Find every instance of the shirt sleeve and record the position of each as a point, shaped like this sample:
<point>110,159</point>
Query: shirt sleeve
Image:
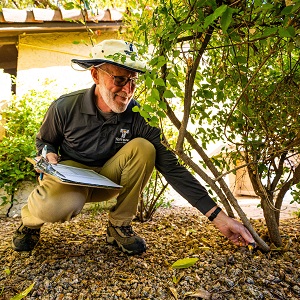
<point>50,132</point>
<point>176,175</point>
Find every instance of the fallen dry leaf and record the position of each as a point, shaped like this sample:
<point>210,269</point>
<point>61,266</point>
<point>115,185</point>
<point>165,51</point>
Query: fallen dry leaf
<point>173,292</point>
<point>199,293</point>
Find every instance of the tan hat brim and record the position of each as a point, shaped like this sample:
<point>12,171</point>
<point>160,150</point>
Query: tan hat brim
<point>89,63</point>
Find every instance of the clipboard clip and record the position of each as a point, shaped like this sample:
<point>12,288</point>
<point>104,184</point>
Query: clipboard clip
<point>44,166</point>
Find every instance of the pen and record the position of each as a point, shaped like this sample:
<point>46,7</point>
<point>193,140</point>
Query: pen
<point>44,154</point>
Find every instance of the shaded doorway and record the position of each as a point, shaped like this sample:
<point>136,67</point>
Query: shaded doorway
<point>8,61</point>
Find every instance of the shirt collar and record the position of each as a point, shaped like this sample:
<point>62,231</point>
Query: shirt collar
<point>88,105</point>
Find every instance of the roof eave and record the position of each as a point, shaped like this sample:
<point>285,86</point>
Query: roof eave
<point>47,27</point>
<point>14,22</point>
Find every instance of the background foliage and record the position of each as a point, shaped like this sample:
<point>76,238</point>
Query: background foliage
<point>23,118</point>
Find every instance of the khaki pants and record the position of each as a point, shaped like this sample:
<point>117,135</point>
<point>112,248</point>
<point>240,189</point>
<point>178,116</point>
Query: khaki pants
<point>130,167</point>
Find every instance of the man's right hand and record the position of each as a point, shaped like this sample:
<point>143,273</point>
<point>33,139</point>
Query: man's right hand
<point>52,158</point>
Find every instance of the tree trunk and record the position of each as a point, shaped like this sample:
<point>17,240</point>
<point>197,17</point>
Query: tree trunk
<point>269,210</point>
<point>271,222</point>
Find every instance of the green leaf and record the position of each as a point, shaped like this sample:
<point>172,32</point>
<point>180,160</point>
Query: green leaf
<point>267,6</point>
<point>161,61</point>
<point>287,10</point>
<point>217,13</point>
<point>152,99</point>
<point>23,294</point>
<point>148,108</point>
<point>241,59</point>
<point>69,5</point>
<point>220,95</point>
<point>208,94</point>
<point>174,82</point>
<point>208,20</point>
<point>296,6</point>
<point>161,114</point>
<point>144,114</point>
<point>176,53</point>
<point>263,7</point>
<point>172,36</point>
<point>269,31</point>
<point>184,263</point>
<point>154,119</point>
<point>221,84</point>
<point>159,82</point>
<point>155,94</point>
<point>168,94</point>
<point>286,32</point>
<point>148,82</point>
<point>186,26</point>
<point>162,105</point>
<point>136,109</point>
<point>7,271</point>
<point>226,19</point>
<point>290,47</point>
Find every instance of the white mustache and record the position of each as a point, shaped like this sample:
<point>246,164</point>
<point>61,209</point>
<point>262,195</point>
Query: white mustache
<point>122,94</point>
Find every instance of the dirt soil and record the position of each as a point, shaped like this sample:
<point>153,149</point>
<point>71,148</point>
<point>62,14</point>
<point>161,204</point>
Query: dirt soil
<point>73,261</point>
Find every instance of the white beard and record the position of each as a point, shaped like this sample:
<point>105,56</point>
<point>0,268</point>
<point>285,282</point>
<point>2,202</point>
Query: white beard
<point>109,98</point>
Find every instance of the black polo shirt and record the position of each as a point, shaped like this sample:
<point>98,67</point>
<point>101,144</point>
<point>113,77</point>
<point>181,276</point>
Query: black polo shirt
<point>74,129</point>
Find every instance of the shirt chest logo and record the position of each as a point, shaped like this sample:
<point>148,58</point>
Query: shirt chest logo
<point>122,139</point>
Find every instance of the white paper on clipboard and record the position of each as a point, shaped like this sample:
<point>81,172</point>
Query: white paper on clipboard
<point>74,175</point>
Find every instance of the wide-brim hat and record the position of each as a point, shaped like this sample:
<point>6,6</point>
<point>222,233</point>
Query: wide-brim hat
<point>116,52</point>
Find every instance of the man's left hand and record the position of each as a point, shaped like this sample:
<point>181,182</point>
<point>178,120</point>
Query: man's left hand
<point>234,230</point>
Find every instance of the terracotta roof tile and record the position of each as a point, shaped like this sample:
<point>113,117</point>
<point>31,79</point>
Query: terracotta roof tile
<point>41,14</point>
<point>16,15</point>
<point>71,14</point>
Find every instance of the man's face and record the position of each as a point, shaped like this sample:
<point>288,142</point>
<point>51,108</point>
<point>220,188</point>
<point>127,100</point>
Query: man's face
<point>113,94</point>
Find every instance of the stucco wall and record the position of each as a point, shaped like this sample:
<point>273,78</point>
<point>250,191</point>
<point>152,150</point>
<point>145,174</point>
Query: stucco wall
<point>45,61</point>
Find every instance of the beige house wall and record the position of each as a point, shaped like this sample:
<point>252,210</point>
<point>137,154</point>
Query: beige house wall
<point>44,61</point>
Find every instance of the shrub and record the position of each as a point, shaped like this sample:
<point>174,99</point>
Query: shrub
<point>152,197</point>
<point>22,121</point>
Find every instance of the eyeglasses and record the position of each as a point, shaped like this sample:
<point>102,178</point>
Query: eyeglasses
<point>121,80</point>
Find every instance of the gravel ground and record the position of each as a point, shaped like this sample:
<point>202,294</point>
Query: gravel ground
<point>73,261</point>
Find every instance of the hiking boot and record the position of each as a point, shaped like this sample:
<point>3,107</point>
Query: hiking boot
<point>126,239</point>
<point>25,238</point>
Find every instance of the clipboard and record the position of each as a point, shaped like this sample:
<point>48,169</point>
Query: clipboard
<point>73,175</point>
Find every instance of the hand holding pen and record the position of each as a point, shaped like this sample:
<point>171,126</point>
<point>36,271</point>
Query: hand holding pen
<point>45,164</point>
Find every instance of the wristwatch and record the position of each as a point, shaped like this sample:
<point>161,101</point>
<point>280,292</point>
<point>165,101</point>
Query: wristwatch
<point>214,214</point>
